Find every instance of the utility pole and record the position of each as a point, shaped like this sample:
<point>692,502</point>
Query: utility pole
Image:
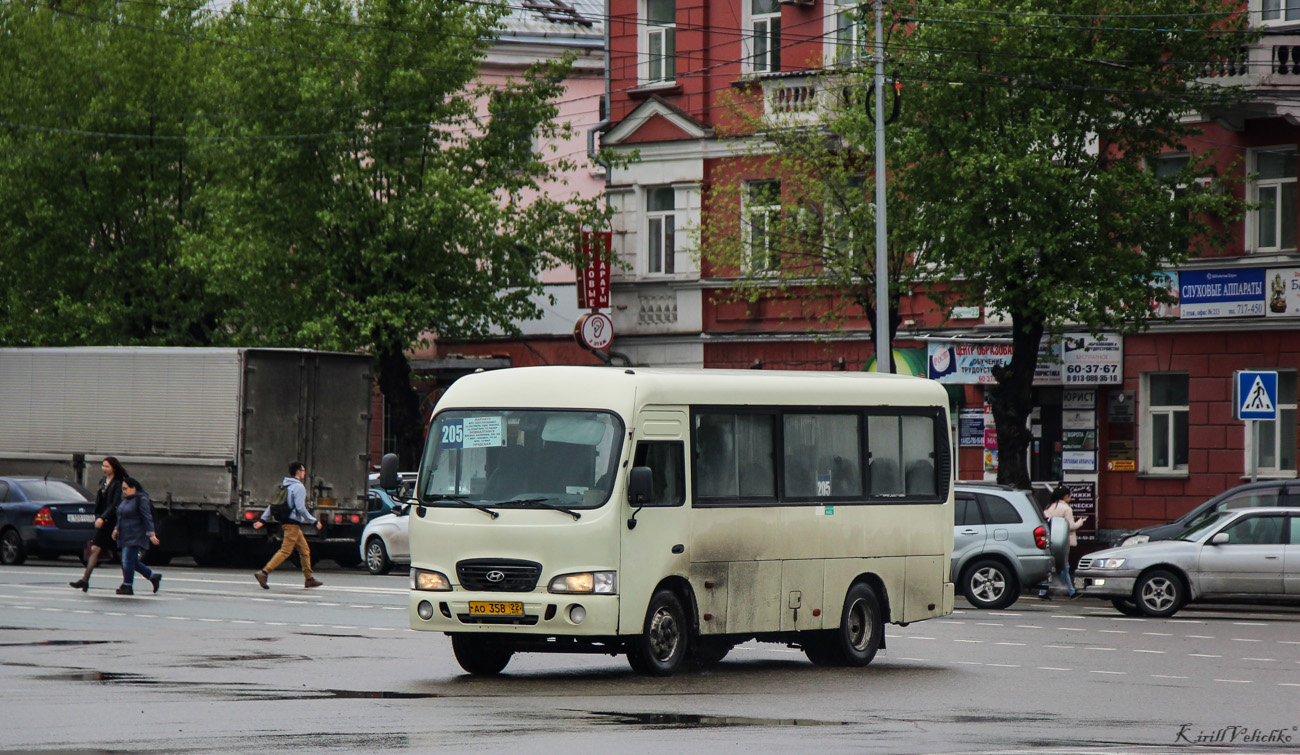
<point>884,354</point>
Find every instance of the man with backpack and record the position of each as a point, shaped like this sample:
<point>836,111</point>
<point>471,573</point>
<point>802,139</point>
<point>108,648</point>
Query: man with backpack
<point>289,508</point>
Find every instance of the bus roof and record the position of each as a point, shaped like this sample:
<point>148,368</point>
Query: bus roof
<point>615,387</point>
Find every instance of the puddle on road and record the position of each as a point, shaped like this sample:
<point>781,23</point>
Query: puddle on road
<point>691,720</point>
<point>239,689</point>
<point>55,643</point>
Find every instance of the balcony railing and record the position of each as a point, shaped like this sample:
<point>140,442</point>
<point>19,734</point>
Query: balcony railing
<point>801,99</point>
<point>1272,63</point>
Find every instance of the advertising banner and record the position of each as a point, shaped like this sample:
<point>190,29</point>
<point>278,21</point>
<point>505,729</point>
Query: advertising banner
<point>970,428</point>
<point>1090,360</point>
<point>1221,293</point>
<point>973,363</point>
<point>1284,292</point>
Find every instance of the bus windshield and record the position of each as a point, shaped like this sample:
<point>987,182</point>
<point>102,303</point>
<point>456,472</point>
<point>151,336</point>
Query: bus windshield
<point>521,458</point>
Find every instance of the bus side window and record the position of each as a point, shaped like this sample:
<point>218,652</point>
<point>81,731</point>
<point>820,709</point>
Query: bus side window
<point>667,463</point>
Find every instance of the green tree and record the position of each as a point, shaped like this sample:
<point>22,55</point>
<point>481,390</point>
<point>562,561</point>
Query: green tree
<point>359,201</point>
<point>97,180</point>
<point>1028,167</point>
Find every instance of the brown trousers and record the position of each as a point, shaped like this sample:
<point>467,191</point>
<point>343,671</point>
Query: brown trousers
<point>293,538</point>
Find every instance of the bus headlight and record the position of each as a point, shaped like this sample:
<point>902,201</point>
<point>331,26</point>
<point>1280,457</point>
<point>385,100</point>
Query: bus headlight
<point>598,582</point>
<point>423,579</point>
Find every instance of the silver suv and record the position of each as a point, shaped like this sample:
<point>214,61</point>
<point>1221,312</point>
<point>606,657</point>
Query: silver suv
<point>1001,543</point>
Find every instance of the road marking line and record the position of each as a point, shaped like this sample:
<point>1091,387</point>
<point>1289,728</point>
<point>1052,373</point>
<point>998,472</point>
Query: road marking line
<point>1243,639</point>
<point>1266,660</point>
<point>1005,665</point>
<point>1204,655</point>
<point>1161,652</point>
<point>216,621</point>
<point>1013,644</point>
<point>1199,637</point>
<point>1159,634</point>
<point>1027,626</point>
<point>923,660</point>
<point>1288,684</point>
<point>1060,647</point>
<point>179,618</point>
<point>1117,673</point>
<point>277,623</point>
<point>1234,681</point>
<point>1167,676</point>
<point>1289,642</point>
<point>987,624</point>
<point>113,613</point>
<point>146,615</point>
<point>968,663</point>
<point>242,621</point>
<point>382,629</point>
<point>973,642</point>
<point>333,605</point>
<point>1099,648</point>
<point>60,610</point>
<point>1072,629</point>
<point>1053,668</point>
<point>1114,631</point>
<point>915,637</point>
<point>1249,624</point>
<point>313,626</point>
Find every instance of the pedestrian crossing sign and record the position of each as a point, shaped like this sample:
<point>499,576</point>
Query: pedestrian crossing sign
<point>1255,395</point>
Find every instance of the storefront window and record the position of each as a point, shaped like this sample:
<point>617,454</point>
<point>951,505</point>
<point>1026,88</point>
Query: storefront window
<point>1165,422</point>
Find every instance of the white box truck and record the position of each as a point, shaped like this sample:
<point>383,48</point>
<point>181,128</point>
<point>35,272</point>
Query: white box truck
<point>209,432</point>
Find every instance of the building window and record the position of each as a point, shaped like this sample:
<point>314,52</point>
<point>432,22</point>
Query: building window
<point>846,33</point>
<point>662,230</point>
<point>762,215</point>
<point>661,40</point>
<point>1165,422</point>
<point>765,21</point>
<point>1275,191</point>
<point>1277,438</point>
<point>1279,11</point>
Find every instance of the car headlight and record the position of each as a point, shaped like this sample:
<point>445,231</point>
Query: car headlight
<point>598,582</point>
<point>423,579</point>
<point>1136,540</point>
<point>1108,563</point>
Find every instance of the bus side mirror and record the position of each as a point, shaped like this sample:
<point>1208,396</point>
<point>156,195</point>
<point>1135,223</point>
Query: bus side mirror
<point>388,472</point>
<point>640,486</point>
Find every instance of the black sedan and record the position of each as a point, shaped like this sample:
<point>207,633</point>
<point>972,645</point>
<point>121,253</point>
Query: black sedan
<point>43,516</point>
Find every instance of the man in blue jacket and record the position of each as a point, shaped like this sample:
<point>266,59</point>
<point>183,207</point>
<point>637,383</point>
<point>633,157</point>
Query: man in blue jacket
<point>293,537</point>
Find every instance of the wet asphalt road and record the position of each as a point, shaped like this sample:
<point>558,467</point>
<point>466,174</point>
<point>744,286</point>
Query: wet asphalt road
<point>215,664</point>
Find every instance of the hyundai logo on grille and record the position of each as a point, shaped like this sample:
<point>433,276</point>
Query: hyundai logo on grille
<point>496,575</point>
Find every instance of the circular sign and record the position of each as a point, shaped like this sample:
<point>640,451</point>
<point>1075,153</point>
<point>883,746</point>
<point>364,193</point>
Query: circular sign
<point>594,330</point>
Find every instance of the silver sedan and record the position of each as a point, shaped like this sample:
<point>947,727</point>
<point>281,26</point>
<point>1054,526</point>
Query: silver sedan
<point>1238,555</point>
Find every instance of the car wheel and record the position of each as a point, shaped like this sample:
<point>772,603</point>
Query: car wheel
<point>1126,606</point>
<point>989,584</point>
<point>377,561</point>
<point>1159,594</point>
<point>660,649</point>
<point>480,655</point>
<point>12,552</point>
<point>856,640</point>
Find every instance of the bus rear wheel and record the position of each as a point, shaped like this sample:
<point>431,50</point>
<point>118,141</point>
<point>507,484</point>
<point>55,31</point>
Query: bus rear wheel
<point>479,655</point>
<point>858,637</point>
<point>660,649</point>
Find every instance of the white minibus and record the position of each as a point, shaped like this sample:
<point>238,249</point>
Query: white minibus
<point>671,514</point>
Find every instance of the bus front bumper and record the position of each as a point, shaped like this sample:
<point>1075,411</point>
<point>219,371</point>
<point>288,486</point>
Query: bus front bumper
<point>533,613</point>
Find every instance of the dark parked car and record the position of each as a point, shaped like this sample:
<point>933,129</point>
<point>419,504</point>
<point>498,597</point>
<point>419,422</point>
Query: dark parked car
<point>41,516</point>
<point>1001,543</point>
<point>1250,495</point>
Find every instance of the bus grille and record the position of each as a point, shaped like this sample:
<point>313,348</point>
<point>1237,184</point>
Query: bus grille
<point>514,575</point>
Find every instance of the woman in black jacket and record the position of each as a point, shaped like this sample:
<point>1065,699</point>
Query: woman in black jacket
<point>106,501</point>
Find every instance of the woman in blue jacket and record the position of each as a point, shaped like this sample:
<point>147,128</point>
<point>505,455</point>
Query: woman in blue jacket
<point>133,534</point>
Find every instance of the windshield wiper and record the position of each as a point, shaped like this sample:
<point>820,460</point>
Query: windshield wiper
<point>544,501</point>
<point>461,500</point>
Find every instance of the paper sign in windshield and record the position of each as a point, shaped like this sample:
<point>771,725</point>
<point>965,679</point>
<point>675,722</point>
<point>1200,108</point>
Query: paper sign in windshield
<point>473,432</point>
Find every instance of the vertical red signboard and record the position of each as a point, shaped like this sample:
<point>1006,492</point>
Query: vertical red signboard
<point>593,281</point>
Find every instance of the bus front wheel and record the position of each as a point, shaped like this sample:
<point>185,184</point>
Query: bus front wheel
<point>661,647</point>
<point>858,637</point>
<point>479,655</point>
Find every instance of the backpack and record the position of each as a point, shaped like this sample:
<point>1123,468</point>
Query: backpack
<point>280,505</point>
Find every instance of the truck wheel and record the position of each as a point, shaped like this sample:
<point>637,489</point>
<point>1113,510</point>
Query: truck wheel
<point>377,561</point>
<point>154,557</point>
<point>660,649</point>
<point>989,584</point>
<point>347,559</point>
<point>1159,594</point>
<point>479,655</point>
<point>859,635</point>
<point>12,552</point>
